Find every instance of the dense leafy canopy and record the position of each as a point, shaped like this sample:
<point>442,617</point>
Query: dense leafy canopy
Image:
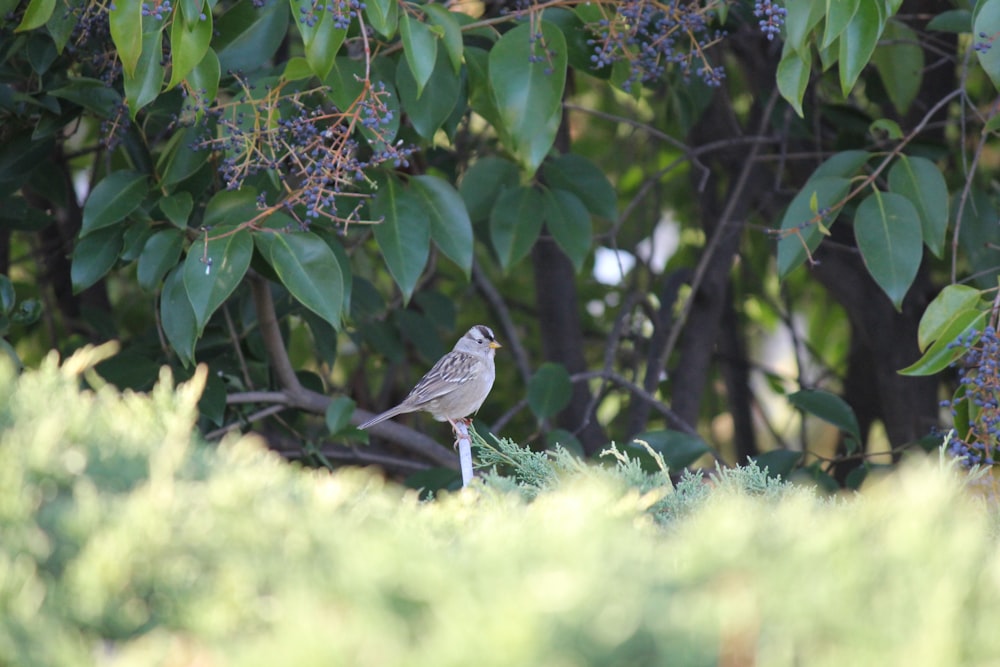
<point>305,194</point>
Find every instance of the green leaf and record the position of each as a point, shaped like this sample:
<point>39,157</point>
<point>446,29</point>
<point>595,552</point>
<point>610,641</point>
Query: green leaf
<point>189,42</point>
<point>230,207</point>
<point>978,235</point>
<point>515,222</point>
<point>320,36</point>
<point>802,17</point>
<point>568,220</point>
<point>112,199</point>
<point>383,16</point>
<point>838,16</point>
<point>214,269</point>
<point>899,61</point>
<point>844,164</point>
<point>310,271</point>
<point>679,450</point>
<point>419,49</point>
<point>428,112</point>
<point>177,208</point>
<point>483,183</point>
<point>94,255</point>
<point>179,159</point>
<point>943,352</point>
<point>987,22</point>
<point>177,316</point>
<point>828,407</point>
<point>450,226</point>
<point>919,180</point>
<point>887,229</point>
<point>549,390</point>
<point>578,175</point>
<point>125,20</point>
<point>36,15</point>
<point>204,81</point>
<point>248,36</point>
<point>792,247</point>
<point>452,38</point>
<point>143,88</point>
<point>887,125</point>
<point>403,235</point>
<point>480,90</point>
<point>950,302</point>
<point>91,94</point>
<point>338,414</point>
<point>858,41</point>
<point>779,463</point>
<point>793,76</point>
<point>160,254</point>
<point>527,77</point>
<point>953,20</point>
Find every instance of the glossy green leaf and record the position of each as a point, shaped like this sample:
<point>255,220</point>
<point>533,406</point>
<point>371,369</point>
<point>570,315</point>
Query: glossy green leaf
<point>35,16</point>
<point>826,191</point>
<point>919,180</point>
<point>448,22</point>
<point>230,207</point>
<point>213,270</point>
<point>793,76</point>
<point>177,316</point>
<point>578,175</point>
<point>483,183</point>
<point>858,41</point>
<point>679,450</point>
<point>160,254</point>
<point>987,22</point>
<point>568,221</point>
<point>112,199</point>
<point>403,233</point>
<point>899,61</point>
<point>450,226</point>
<point>527,76</point>
<point>515,223</point>
<point>134,240</point>
<point>338,414</point>
<point>248,36</point>
<point>204,81</point>
<point>481,100</point>
<point>177,207</point>
<point>943,352</point>
<point>144,87</point>
<point>429,111</point>
<point>828,407</point>
<point>125,20</point>
<point>800,20</point>
<point>886,128</point>
<point>189,42</point>
<point>180,159</point>
<point>383,16</point>
<point>838,16</point>
<point>887,229</point>
<point>320,36</point>
<point>419,48</point>
<point>953,20</point>
<point>549,390</point>
<point>94,255</point>
<point>92,94</point>
<point>780,463</point>
<point>310,271</point>
<point>844,164</point>
<point>950,302</point>
<point>978,235</point>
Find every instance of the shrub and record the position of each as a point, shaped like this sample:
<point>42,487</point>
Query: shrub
<point>126,541</point>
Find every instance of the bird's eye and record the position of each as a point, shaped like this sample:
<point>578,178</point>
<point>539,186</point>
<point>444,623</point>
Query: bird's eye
<point>479,340</point>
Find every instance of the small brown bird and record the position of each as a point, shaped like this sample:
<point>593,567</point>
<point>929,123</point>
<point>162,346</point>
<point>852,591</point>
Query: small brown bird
<point>458,383</point>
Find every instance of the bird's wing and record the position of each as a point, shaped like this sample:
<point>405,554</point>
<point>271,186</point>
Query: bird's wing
<point>451,371</point>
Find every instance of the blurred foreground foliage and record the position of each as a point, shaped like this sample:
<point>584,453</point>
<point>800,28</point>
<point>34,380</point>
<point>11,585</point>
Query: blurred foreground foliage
<point>126,541</point>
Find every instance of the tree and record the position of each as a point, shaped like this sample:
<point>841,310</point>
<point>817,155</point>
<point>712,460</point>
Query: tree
<point>315,199</point>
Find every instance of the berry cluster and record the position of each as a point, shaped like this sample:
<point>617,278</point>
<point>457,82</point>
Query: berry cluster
<point>342,11</point>
<point>158,9</point>
<point>311,149</point>
<point>771,17</point>
<point>651,35</point>
<point>978,397</point>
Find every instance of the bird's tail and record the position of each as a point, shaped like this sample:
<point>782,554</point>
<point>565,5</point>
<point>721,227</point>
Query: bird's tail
<point>379,418</point>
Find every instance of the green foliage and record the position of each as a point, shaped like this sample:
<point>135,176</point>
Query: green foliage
<point>131,542</point>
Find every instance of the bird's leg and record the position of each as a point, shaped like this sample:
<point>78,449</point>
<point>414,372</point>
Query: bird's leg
<point>460,429</point>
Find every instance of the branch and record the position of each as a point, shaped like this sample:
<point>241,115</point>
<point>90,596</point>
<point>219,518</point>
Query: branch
<point>294,395</point>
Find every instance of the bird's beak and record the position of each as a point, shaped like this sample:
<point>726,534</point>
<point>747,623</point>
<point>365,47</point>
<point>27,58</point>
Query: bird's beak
<point>494,345</point>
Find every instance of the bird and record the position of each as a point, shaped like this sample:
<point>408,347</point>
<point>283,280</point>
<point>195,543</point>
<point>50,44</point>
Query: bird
<point>456,386</point>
